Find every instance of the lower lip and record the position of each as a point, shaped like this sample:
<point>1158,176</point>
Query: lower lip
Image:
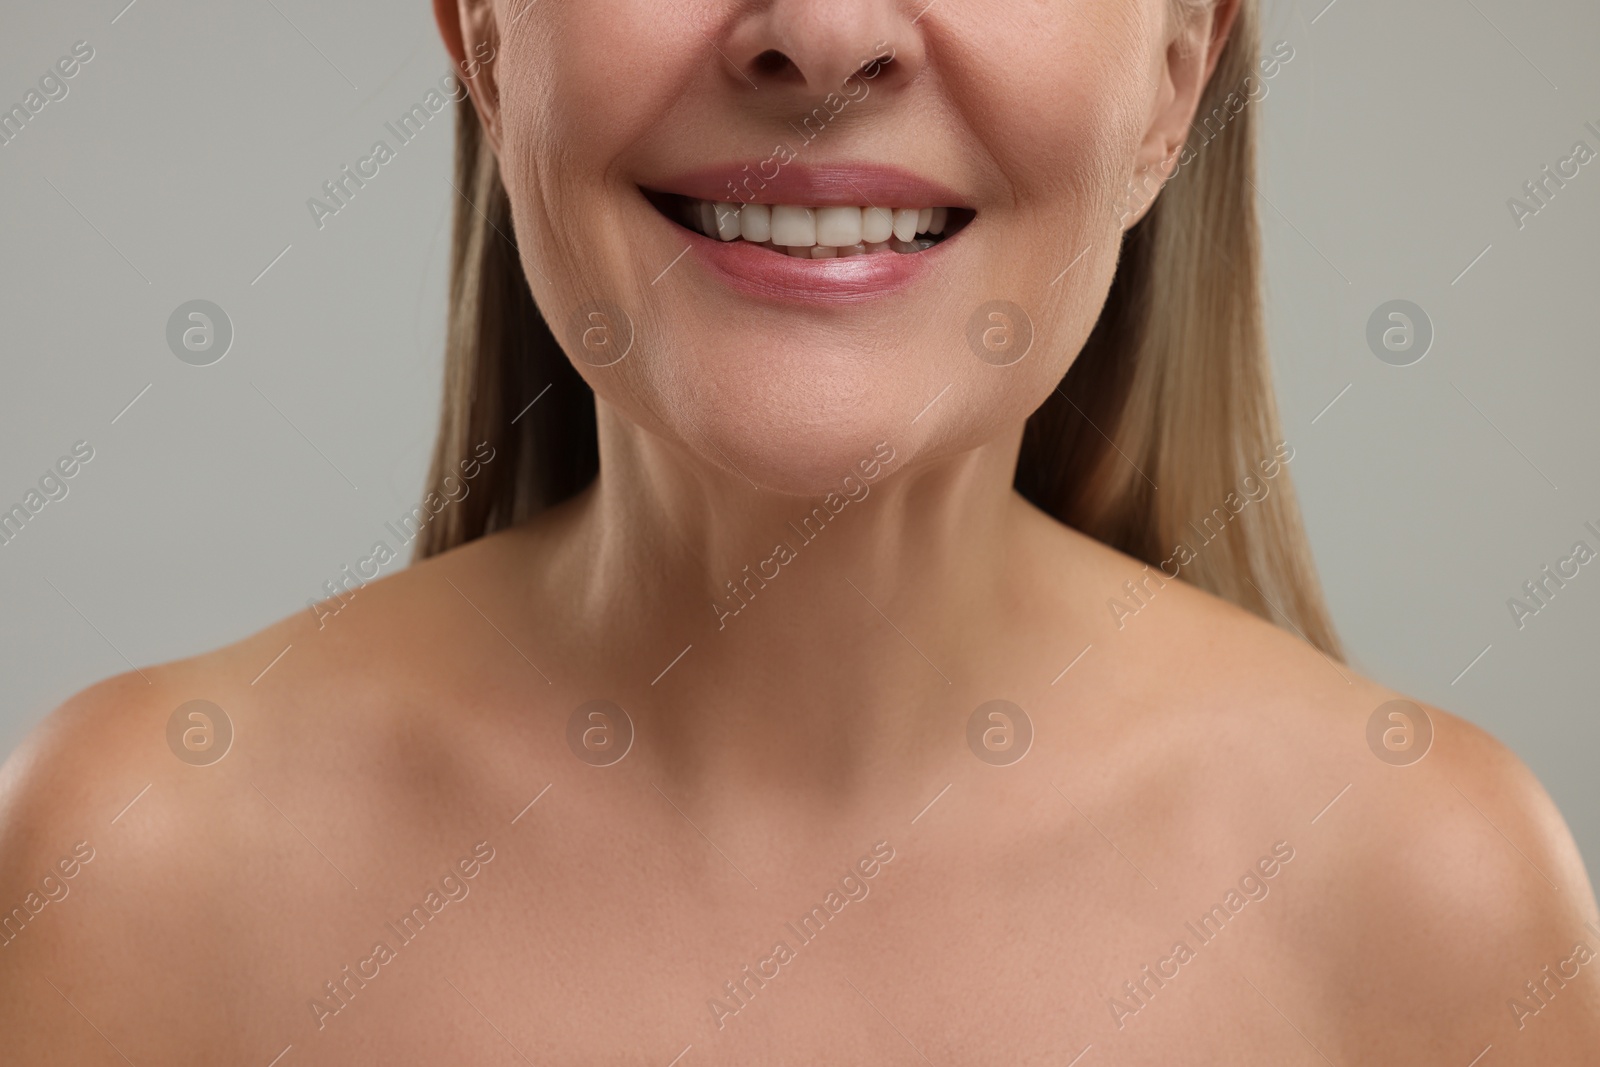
<point>775,276</point>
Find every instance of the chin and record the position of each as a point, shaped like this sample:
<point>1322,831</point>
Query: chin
<point>796,434</point>
<point>844,466</point>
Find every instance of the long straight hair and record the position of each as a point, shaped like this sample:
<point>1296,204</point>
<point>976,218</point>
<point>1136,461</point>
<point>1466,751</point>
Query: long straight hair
<point>1155,429</point>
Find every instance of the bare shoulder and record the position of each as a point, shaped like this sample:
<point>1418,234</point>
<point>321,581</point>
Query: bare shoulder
<point>102,844</point>
<point>81,770</point>
<point>158,827</point>
<point>1451,883</point>
<point>336,675</point>
<point>1436,904</point>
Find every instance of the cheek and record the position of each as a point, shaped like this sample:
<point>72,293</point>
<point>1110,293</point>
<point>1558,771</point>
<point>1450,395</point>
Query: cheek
<point>1063,119</point>
<point>1064,115</point>
<point>578,83</point>
<point>583,72</point>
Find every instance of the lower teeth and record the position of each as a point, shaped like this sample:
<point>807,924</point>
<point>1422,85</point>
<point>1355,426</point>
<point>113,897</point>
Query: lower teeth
<point>920,244</point>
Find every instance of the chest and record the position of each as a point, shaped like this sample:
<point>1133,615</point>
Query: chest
<point>565,949</point>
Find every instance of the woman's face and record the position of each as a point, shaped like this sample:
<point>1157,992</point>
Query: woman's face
<point>627,129</point>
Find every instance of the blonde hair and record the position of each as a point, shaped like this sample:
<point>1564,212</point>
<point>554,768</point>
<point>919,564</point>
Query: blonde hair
<point>1172,389</point>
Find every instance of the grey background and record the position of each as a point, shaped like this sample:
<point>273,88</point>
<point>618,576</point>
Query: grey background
<point>179,164</point>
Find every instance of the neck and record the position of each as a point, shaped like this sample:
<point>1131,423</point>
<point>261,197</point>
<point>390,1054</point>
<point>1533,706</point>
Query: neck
<point>815,626</point>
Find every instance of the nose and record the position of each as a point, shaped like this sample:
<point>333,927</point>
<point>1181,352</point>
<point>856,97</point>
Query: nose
<point>810,48</point>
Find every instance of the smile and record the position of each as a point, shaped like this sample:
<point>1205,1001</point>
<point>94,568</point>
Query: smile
<point>808,235</point>
<point>815,232</point>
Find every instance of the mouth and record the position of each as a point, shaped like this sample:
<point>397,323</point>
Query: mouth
<point>814,231</point>
<point>810,235</point>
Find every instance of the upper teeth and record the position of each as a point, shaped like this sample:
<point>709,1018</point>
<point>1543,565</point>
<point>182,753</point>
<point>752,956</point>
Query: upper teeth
<point>795,226</point>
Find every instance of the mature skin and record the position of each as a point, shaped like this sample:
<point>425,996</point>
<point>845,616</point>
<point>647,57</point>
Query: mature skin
<point>830,714</point>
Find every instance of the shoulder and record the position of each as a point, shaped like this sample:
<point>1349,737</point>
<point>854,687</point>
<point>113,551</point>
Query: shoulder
<point>156,828</point>
<point>1450,883</point>
<point>308,678</point>
<point>97,829</point>
<point>284,699</point>
<point>1434,881</point>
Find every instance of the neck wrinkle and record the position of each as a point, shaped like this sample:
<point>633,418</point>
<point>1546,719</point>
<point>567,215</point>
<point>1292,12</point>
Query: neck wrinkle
<point>827,652</point>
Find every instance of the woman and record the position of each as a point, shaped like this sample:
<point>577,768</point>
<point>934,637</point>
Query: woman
<point>908,654</point>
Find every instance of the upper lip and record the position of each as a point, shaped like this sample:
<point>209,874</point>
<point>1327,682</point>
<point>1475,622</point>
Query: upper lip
<point>811,185</point>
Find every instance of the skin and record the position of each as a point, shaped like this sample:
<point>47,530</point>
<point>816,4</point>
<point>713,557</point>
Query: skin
<point>772,756</point>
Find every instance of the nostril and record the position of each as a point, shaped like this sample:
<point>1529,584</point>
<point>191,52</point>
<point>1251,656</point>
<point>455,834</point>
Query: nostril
<point>771,62</point>
<point>876,66</point>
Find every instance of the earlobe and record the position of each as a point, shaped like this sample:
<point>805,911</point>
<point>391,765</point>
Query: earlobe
<point>1148,179</point>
